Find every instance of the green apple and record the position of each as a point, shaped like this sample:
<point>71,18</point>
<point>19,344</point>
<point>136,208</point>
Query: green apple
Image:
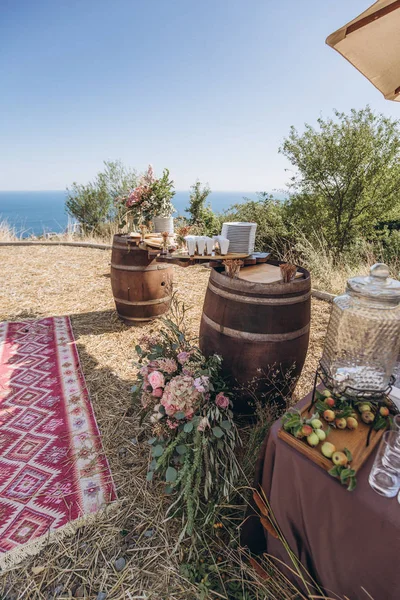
<point>352,423</point>
<point>341,423</point>
<point>306,430</point>
<point>313,439</point>
<point>328,449</point>
<point>339,458</point>
<point>321,434</point>
<point>329,415</point>
<point>367,416</point>
<point>316,424</point>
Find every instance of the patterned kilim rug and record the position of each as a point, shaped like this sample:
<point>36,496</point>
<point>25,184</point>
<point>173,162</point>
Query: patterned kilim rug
<point>54,476</point>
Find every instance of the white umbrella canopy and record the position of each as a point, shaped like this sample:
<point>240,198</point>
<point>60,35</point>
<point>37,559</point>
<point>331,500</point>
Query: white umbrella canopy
<point>371,42</point>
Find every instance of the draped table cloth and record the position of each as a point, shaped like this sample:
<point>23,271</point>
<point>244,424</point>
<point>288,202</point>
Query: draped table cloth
<point>346,540</point>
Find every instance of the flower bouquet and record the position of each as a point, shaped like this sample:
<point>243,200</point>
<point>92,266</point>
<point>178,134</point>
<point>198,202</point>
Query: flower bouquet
<point>193,434</point>
<point>152,198</point>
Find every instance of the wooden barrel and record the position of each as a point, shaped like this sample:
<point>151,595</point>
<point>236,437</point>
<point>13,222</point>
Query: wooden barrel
<point>142,288</point>
<point>261,331</point>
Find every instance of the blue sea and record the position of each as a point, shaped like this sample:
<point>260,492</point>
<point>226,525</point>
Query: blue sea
<point>36,213</point>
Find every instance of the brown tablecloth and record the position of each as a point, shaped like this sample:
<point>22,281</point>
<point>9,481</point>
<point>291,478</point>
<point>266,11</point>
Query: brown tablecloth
<point>346,540</point>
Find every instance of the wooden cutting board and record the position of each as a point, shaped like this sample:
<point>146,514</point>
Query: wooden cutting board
<point>354,440</point>
<point>263,273</point>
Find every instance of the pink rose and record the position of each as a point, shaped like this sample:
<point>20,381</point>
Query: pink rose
<point>156,380</point>
<point>158,392</point>
<point>221,400</point>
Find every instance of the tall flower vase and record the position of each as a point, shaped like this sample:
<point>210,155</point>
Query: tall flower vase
<point>162,224</point>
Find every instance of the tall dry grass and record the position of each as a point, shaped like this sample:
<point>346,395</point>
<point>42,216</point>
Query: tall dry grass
<point>330,272</point>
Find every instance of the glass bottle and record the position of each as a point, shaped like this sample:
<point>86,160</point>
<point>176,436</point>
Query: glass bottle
<point>363,337</point>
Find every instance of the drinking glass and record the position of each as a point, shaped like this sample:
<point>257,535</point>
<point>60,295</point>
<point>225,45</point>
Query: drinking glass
<point>385,473</point>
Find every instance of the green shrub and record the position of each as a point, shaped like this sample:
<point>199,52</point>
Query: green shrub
<point>347,175</point>
<point>203,220</point>
<point>273,228</point>
<point>93,204</point>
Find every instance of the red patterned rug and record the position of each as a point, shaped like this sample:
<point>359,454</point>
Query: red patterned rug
<point>54,476</point>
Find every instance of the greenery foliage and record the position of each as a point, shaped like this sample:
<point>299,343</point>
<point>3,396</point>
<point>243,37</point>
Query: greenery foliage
<point>273,227</point>
<point>202,219</point>
<point>93,204</point>
<point>347,175</point>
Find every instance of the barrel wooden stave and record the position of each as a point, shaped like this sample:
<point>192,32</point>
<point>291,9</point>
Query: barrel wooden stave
<point>255,326</point>
<point>142,288</point>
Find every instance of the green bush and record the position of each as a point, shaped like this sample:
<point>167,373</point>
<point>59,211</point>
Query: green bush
<point>273,228</point>
<point>93,205</point>
<point>203,220</point>
<point>347,175</point>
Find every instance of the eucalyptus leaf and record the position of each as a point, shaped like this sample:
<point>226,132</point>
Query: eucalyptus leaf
<point>157,450</point>
<point>151,440</point>
<point>218,432</point>
<point>171,474</point>
<point>179,415</point>
<point>149,476</point>
<point>138,350</point>
<point>181,449</point>
<point>188,427</point>
<point>226,425</point>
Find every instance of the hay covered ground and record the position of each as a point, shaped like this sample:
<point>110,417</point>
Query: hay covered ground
<point>47,281</point>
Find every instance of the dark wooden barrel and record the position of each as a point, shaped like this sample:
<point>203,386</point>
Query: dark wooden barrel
<point>261,331</point>
<point>142,288</point>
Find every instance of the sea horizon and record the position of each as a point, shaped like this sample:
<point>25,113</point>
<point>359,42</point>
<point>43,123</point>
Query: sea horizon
<point>37,212</point>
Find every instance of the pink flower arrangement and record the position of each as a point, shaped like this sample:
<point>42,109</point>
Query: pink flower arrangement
<point>222,401</point>
<point>180,395</point>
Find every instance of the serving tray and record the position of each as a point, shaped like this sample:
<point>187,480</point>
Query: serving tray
<point>354,440</point>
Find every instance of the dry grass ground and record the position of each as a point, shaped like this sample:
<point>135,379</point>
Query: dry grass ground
<point>38,282</point>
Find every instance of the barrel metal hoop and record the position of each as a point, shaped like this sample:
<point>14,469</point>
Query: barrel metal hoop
<point>255,337</point>
<point>158,267</point>
<point>144,302</point>
<point>258,299</point>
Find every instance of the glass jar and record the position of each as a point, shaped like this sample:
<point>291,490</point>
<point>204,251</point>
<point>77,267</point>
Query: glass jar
<point>363,337</point>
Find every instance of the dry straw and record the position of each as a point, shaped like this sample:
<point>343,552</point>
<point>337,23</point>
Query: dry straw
<point>40,282</point>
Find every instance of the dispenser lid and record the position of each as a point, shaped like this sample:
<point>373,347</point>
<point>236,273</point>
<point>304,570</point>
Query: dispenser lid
<point>377,284</point>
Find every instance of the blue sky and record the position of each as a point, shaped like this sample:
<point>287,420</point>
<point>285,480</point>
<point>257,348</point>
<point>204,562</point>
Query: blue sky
<point>207,88</point>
